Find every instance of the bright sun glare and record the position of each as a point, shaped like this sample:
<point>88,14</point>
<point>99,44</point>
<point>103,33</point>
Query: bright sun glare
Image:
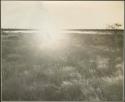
<point>48,35</point>
<point>48,38</point>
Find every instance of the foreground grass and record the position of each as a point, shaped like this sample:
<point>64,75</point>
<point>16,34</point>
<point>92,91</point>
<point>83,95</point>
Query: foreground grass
<point>87,67</point>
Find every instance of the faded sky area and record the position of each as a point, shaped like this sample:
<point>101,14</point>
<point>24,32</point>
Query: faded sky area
<point>61,14</point>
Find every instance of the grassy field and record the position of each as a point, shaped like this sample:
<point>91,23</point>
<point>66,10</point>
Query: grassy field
<point>83,67</point>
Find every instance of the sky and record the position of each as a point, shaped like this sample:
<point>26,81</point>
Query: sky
<point>61,14</point>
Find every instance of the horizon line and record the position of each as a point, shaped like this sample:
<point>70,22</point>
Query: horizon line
<point>33,29</point>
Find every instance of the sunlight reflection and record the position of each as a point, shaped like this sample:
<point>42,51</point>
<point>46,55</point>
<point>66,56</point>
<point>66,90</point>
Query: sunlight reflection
<point>49,39</point>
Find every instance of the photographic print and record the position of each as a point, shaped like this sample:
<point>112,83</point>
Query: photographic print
<point>62,50</point>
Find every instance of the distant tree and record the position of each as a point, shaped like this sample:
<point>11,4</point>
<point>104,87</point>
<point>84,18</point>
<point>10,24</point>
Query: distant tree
<point>114,26</point>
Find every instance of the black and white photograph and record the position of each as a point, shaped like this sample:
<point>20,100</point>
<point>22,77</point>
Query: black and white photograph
<point>62,51</point>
